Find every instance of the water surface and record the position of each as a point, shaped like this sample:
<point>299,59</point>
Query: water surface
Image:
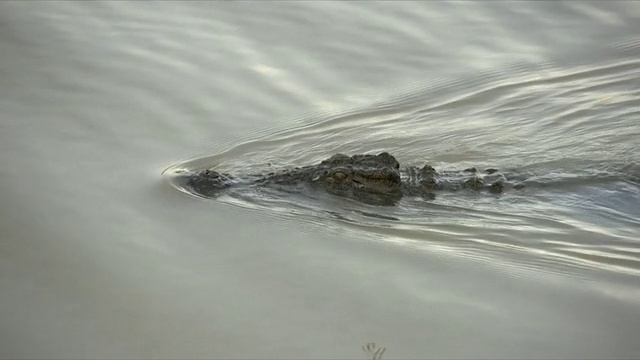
<point>103,258</point>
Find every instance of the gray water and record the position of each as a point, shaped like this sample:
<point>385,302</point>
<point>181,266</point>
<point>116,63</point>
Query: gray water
<point>101,257</point>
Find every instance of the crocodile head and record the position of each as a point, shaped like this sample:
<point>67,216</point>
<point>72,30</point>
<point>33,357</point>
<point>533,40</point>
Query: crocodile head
<point>373,179</point>
<point>368,178</point>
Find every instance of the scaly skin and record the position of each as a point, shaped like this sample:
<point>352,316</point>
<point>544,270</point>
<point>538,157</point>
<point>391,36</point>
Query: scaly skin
<point>368,178</point>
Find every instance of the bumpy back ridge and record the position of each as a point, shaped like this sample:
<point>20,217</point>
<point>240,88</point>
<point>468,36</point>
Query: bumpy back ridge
<point>364,161</point>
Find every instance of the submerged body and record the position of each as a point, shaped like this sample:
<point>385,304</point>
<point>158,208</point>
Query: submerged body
<point>374,179</point>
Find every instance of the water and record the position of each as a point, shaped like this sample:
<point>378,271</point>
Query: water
<point>102,257</point>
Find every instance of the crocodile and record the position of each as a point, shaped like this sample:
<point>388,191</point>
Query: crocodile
<point>369,178</point>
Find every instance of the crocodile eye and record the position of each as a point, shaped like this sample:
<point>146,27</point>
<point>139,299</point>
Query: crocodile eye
<point>339,175</point>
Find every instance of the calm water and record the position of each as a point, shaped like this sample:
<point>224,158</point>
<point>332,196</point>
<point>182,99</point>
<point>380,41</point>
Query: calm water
<point>101,257</point>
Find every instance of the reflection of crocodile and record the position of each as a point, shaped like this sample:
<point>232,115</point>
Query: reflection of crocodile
<point>367,178</point>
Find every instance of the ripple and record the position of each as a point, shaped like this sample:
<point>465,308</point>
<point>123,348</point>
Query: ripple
<point>542,123</point>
